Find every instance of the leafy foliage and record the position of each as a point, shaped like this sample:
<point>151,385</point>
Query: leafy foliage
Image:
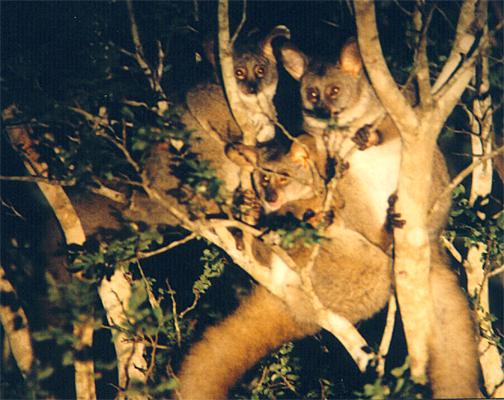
<point>397,385</point>
<point>97,259</point>
<point>213,267</point>
<point>480,223</point>
<point>278,377</point>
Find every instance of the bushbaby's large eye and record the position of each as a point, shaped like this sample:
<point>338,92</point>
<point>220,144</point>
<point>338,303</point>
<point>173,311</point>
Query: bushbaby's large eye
<point>312,94</point>
<point>265,180</point>
<point>259,71</point>
<point>333,91</point>
<point>282,180</point>
<point>240,73</point>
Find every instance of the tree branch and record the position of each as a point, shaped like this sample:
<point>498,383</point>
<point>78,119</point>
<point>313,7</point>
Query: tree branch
<point>15,326</point>
<point>463,42</point>
<point>421,61</point>
<point>240,26</point>
<point>74,233</point>
<point>70,223</point>
<point>115,294</point>
<point>230,86</point>
<point>463,174</point>
<point>447,97</point>
<point>477,272</point>
<point>387,335</point>
<point>389,94</point>
<point>411,244</point>
<point>153,76</point>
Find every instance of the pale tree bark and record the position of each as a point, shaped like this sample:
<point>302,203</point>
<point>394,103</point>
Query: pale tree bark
<point>15,325</point>
<point>73,232</point>
<point>238,109</point>
<point>108,290</point>
<point>131,364</point>
<point>419,129</point>
<point>412,251</point>
<point>477,272</point>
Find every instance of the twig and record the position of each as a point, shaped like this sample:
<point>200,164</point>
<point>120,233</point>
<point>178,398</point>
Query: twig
<point>196,10</point>
<point>73,232</point>
<point>109,193</point>
<point>38,178</point>
<point>496,272</point>
<point>240,26</point>
<point>451,248</point>
<point>147,254</point>
<point>192,306</point>
<point>461,44</point>
<point>461,176</point>
<point>421,60</point>
<point>171,292</point>
<point>154,80</point>
<point>390,96</point>
<point>408,13</point>
<point>15,212</point>
<point>387,335</point>
<point>15,326</point>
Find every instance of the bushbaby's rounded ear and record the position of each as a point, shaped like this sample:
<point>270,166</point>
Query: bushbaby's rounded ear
<point>350,59</point>
<point>294,60</point>
<point>243,156</point>
<point>298,153</point>
<point>266,45</point>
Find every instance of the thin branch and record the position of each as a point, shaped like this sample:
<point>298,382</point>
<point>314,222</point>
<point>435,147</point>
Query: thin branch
<point>38,178</point>
<point>387,335</point>
<point>231,87</point>
<point>462,44</point>
<point>451,248</point>
<point>147,254</point>
<point>152,77</point>
<point>496,272</point>
<point>192,306</point>
<point>109,193</point>
<point>421,61</point>
<point>240,26</point>
<point>448,97</point>
<point>463,174</point>
<point>115,294</point>
<point>73,232</point>
<point>196,10</point>
<point>15,326</point>
<point>389,94</point>
<point>408,13</point>
<point>175,314</point>
<point>13,210</point>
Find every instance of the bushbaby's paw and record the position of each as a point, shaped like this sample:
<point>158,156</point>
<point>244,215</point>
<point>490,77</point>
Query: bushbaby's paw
<point>366,137</point>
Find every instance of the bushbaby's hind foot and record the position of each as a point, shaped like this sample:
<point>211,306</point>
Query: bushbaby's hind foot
<point>238,238</point>
<point>393,218</point>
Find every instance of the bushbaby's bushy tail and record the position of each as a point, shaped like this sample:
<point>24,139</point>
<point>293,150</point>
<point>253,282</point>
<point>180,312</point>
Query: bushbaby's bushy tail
<point>229,349</point>
<point>453,370</point>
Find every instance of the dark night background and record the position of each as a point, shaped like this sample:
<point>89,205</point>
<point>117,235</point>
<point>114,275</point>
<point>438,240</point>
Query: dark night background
<point>56,53</point>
